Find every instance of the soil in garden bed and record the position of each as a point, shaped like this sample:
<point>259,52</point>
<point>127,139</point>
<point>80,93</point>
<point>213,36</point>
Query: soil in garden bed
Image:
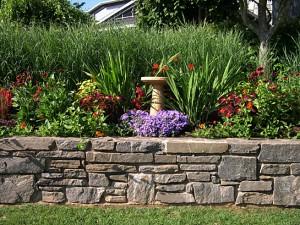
<point>7,122</point>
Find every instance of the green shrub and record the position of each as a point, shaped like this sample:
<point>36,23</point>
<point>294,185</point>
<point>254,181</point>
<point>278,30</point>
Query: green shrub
<point>267,106</point>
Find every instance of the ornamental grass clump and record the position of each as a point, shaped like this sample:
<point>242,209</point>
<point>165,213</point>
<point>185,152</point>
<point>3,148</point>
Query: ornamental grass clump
<point>167,123</point>
<point>195,89</point>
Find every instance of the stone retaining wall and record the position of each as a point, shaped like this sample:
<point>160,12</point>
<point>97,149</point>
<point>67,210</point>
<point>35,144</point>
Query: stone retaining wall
<point>149,171</point>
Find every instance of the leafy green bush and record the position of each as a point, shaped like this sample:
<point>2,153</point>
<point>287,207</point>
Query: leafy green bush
<point>266,106</point>
<point>38,97</point>
<point>41,12</point>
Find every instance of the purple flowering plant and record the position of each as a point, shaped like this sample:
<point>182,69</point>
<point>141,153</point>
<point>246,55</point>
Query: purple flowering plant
<point>167,123</point>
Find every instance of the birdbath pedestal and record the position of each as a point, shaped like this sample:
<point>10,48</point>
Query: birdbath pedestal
<point>157,101</point>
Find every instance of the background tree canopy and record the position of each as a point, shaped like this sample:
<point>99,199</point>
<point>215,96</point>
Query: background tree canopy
<point>42,12</point>
<point>158,13</point>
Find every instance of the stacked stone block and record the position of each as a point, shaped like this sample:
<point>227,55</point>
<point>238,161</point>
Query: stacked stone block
<point>149,171</point>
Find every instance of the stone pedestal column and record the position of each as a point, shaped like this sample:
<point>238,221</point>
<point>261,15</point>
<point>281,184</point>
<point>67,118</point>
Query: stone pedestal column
<point>157,101</point>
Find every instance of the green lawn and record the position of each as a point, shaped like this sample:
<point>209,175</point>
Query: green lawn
<point>71,215</point>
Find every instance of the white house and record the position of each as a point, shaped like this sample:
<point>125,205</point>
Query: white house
<point>118,11</point>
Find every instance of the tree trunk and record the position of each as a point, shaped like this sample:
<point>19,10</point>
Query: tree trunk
<point>199,15</point>
<point>263,53</point>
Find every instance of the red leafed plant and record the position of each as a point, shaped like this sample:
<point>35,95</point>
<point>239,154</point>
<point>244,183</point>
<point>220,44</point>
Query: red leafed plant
<point>5,102</point>
<point>111,105</point>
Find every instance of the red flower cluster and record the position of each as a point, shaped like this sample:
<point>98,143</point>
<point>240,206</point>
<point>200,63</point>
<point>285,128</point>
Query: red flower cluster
<point>99,134</point>
<point>156,68</point>
<point>111,105</point>
<point>5,102</point>
<point>190,66</point>
<point>231,104</point>
<point>258,72</point>
<point>138,100</point>
<point>23,125</point>
<point>23,78</point>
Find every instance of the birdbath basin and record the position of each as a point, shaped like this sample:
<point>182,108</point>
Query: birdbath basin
<point>157,101</point>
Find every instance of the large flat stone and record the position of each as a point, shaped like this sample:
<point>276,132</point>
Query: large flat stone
<point>254,198</point>
<point>118,185</point>
<point>98,180</point>
<point>114,191</point>
<point>109,168</point>
<point>106,144</point>
<point>198,176</point>
<point>17,189</point>
<point>11,144</point>
<point>204,159</point>
<point>237,168</point>
<point>27,143</point>
<point>169,178</point>
<point>53,197</point>
<point>62,182</point>
<point>65,164</point>
<point>115,199</point>
<point>52,175</point>
<point>198,167</point>
<point>141,188</point>
<point>280,152</point>
<point>119,157</point>
<point>136,146</point>
<point>295,169</point>
<point>174,198</point>
<point>171,187</point>
<point>166,159</point>
<point>287,191</point>
<point>51,189</point>
<point>239,147</point>
<point>196,146</point>
<point>255,186</point>
<point>72,144</point>
<point>84,195</point>
<point>17,165</point>
<point>4,153</point>
<point>275,169</point>
<point>24,153</point>
<point>75,173</point>
<point>122,177</point>
<point>209,193</point>
<point>61,154</point>
<point>159,168</point>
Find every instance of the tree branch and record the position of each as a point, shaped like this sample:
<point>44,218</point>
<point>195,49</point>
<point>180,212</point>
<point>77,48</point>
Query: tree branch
<point>283,9</point>
<point>244,14</point>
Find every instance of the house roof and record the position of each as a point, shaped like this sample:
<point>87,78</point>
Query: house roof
<point>103,5</point>
<point>100,4</point>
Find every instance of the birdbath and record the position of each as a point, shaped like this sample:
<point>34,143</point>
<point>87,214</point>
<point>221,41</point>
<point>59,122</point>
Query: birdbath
<point>157,101</point>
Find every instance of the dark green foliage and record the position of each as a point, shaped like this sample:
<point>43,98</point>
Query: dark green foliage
<point>285,34</point>
<point>43,12</point>
<point>158,13</point>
